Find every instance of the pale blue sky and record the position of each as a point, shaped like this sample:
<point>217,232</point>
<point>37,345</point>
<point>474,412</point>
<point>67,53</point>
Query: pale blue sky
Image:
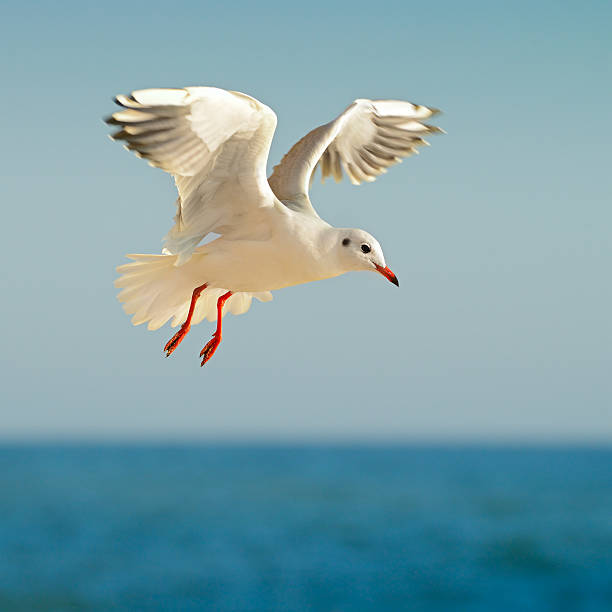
<point>499,233</point>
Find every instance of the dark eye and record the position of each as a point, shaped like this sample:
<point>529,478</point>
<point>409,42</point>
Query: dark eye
<point>365,248</point>
<point>346,242</point>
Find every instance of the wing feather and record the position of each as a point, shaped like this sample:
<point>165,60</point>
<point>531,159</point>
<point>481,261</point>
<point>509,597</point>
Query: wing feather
<point>365,140</point>
<point>215,144</point>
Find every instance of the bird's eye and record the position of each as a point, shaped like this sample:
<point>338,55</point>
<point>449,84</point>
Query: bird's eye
<point>346,242</point>
<point>365,248</point>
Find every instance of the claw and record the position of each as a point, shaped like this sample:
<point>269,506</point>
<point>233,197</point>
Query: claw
<point>209,350</point>
<point>175,340</point>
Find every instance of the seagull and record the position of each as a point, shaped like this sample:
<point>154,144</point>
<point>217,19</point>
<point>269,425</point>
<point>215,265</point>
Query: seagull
<point>263,233</point>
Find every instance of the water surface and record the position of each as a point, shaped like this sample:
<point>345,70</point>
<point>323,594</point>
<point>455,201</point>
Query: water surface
<point>305,528</point>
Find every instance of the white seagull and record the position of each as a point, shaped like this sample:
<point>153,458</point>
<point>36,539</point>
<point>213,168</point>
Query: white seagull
<point>215,144</point>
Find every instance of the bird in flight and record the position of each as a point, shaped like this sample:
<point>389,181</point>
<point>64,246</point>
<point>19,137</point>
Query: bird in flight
<point>215,144</point>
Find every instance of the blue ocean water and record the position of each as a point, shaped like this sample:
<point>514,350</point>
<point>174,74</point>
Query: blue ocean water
<point>305,528</point>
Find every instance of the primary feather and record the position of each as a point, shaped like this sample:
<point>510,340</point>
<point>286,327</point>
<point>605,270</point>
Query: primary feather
<point>214,143</point>
<point>367,138</point>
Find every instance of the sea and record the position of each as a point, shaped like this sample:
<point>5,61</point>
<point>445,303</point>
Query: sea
<point>305,527</point>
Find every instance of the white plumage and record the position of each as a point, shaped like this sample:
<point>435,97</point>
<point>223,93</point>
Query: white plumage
<point>215,144</point>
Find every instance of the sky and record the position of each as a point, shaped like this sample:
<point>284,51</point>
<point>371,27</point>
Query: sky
<point>499,232</point>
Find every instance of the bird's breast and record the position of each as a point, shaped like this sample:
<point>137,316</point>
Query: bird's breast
<point>284,260</point>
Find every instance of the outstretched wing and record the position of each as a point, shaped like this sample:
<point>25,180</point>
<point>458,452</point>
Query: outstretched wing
<point>215,143</point>
<point>367,138</point>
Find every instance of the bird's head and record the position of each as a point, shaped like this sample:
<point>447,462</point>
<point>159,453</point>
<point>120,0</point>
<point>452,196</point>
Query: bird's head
<point>358,250</point>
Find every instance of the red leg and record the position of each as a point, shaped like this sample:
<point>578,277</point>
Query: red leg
<point>182,332</point>
<point>210,348</point>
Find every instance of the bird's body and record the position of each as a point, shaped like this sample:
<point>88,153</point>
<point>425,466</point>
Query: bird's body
<point>215,143</point>
<point>298,250</point>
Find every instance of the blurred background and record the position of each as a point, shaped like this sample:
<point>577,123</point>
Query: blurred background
<point>351,446</point>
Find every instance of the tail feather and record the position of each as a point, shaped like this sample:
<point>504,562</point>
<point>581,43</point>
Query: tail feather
<point>155,289</point>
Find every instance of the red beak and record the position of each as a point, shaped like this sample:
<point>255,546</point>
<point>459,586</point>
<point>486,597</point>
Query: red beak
<point>386,272</point>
